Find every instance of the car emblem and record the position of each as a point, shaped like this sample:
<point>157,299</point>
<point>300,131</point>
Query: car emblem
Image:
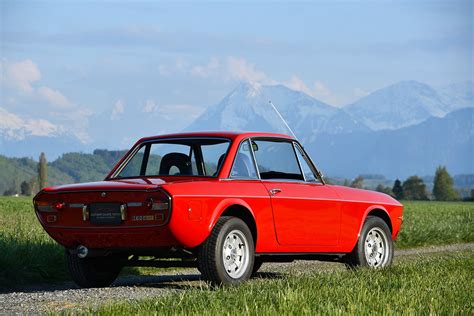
<point>103,194</point>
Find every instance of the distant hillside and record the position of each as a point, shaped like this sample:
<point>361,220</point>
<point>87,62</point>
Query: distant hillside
<point>69,168</point>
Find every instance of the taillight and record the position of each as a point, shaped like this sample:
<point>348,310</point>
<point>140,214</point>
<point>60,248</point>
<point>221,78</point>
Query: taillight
<point>157,205</point>
<point>160,203</point>
<point>59,205</point>
<point>47,206</point>
<point>44,206</point>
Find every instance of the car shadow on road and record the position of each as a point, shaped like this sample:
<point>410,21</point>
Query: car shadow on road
<point>181,281</point>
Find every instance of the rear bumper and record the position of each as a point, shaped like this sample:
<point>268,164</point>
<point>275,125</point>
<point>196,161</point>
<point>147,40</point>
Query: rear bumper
<point>116,238</point>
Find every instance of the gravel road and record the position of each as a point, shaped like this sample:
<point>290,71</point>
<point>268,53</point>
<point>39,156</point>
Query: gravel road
<point>44,298</point>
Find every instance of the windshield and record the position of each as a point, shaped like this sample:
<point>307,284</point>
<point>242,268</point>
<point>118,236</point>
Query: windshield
<point>179,157</point>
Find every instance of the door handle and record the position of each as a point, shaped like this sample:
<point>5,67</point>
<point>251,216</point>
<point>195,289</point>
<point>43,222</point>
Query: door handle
<point>274,191</point>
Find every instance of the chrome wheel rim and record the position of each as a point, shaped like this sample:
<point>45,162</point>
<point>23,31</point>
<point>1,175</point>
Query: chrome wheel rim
<point>235,254</point>
<point>376,248</point>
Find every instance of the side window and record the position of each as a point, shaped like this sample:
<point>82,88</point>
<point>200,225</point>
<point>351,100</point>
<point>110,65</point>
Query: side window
<point>276,160</point>
<point>244,166</point>
<point>213,156</point>
<point>308,173</point>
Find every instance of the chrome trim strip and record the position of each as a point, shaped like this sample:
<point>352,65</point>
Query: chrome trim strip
<point>134,204</point>
<point>76,205</point>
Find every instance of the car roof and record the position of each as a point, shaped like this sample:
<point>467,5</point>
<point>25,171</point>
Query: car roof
<point>226,134</point>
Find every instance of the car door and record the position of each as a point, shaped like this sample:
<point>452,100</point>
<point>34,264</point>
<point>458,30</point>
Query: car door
<point>305,211</point>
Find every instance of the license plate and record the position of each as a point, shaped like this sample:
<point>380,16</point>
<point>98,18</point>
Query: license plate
<point>105,213</point>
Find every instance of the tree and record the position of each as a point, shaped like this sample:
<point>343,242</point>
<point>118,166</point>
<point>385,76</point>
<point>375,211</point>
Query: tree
<point>42,172</point>
<point>443,189</point>
<point>398,190</point>
<point>25,188</point>
<point>346,183</point>
<point>383,189</point>
<point>10,192</point>
<point>414,189</point>
<point>358,183</point>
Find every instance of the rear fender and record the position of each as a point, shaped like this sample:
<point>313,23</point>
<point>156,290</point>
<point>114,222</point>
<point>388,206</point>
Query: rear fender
<point>223,206</point>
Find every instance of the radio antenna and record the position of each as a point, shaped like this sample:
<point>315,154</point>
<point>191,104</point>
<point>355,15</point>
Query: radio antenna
<point>281,117</point>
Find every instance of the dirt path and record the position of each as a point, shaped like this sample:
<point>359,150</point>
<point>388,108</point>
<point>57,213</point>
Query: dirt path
<point>44,298</point>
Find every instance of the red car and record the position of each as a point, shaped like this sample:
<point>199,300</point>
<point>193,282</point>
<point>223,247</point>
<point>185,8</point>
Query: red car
<point>222,202</point>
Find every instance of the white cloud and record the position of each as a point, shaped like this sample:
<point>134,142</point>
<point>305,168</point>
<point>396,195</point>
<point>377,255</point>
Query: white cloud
<point>118,110</point>
<point>54,97</point>
<point>320,90</point>
<point>205,71</point>
<point>176,111</point>
<point>20,74</point>
<point>241,69</point>
<point>297,84</point>
<point>231,68</point>
<point>15,127</point>
<point>150,106</point>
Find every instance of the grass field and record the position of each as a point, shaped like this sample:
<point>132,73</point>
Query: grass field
<point>432,285</point>
<point>29,255</point>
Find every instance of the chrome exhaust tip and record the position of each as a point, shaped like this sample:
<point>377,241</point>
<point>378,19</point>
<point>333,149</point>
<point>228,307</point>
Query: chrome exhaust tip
<point>82,251</point>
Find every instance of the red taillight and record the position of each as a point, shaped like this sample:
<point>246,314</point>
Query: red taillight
<point>59,205</point>
<point>47,206</point>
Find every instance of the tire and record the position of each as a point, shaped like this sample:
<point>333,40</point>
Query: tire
<point>227,255</point>
<point>257,264</point>
<point>92,272</point>
<point>374,249</point>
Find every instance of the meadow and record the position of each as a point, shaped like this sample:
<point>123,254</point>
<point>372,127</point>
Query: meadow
<point>438,284</point>
<point>29,255</point>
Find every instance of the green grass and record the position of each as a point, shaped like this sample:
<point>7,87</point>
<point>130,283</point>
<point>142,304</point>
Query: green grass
<point>436,223</point>
<point>417,286</point>
<point>28,255</point>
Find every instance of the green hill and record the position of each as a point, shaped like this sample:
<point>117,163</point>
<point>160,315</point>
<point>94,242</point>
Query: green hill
<point>69,168</point>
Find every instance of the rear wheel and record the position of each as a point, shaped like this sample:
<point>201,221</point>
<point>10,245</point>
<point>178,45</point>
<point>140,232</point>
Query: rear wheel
<point>227,255</point>
<point>374,249</point>
<point>92,272</point>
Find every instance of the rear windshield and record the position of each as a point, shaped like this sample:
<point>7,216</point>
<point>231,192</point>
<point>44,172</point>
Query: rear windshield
<point>179,157</point>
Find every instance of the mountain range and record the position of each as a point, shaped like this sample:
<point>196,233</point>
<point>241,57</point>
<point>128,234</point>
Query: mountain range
<point>403,129</point>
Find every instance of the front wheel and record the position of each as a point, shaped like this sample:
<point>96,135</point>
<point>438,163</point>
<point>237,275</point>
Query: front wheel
<point>227,255</point>
<point>92,272</point>
<point>374,249</point>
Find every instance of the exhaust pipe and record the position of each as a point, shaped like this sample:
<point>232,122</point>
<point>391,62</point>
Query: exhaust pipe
<point>82,251</point>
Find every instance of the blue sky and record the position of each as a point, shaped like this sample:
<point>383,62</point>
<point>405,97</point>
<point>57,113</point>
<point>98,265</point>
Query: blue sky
<point>64,61</point>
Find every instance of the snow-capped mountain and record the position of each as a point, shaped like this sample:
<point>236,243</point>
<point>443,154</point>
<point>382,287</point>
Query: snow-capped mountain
<point>458,95</point>
<point>399,105</point>
<point>416,149</point>
<point>247,108</point>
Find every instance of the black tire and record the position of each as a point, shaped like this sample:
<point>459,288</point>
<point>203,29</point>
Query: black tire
<point>382,240</point>
<point>257,264</point>
<point>94,271</point>
<point>210,256</point>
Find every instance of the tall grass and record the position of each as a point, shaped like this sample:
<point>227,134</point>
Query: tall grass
<point>432,285</point>
<point>28,254</point>
<point>436,223</point>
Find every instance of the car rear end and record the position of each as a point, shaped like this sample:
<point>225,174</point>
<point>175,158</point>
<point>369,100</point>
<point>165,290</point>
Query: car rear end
<point>105,218</point>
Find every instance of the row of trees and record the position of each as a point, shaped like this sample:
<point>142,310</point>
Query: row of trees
<point>29,188</point>
<point>414,188</point>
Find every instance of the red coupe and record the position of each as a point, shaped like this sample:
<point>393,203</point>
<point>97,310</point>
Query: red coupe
<point>222,202</point>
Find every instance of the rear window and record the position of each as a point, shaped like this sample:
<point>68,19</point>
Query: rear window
<point>181,157</point>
